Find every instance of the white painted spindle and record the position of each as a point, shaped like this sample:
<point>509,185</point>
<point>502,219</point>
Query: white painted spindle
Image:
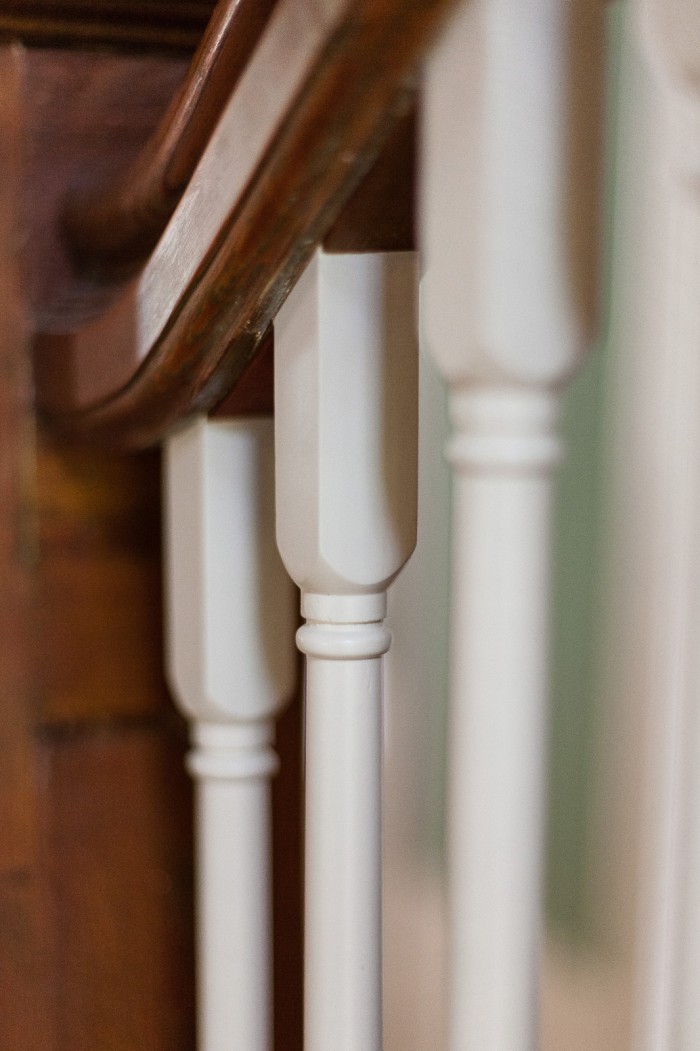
<point>230,651</point>
<point>501,319</point>
<point>668,35</point>
<point>345,413</point>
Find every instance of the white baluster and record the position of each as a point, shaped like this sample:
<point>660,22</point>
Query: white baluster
<point>345,407</point>
<point>668,34</point>
<point>501,319</point>
<point>231,663</point>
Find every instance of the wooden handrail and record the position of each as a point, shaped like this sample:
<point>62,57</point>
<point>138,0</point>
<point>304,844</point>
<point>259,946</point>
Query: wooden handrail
<point>112,230</point>
<point>316,104</point>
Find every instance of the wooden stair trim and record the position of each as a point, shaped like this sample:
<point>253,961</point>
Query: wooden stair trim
<point>189,327</point>
<point>111,231</point>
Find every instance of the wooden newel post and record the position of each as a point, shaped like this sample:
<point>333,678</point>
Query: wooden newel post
<point>231,664</point>
<point>500,318</point>
<point>346,449</point>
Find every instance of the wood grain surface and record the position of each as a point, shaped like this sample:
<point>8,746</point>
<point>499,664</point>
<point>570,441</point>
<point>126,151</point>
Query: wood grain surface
<point>360,84</point>
<point>118,848</point>
<point>87,117</point>
<point>111,230</point>
<point>24,994</point>
<point>99,584</point>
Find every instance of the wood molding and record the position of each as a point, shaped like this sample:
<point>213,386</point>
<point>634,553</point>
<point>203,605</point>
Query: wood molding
<point>111,229</point>
<point>87,118</point>
<point>357,80</point>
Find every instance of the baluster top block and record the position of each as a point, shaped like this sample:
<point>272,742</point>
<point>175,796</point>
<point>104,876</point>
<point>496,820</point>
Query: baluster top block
<point>346,392</point>
<point>230,651</point>
<point>509,229</point>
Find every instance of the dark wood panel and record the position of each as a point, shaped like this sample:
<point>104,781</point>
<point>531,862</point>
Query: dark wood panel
<point>380,214</point>
<point>99,584</point>
<point>120,883</point>
<point>287,806</point>
<point>25,1020</point>
<point>166,25</point>
<point>26,996</point>
<point>119,850</point>
<point>87,118</point>
<point>112,229</point>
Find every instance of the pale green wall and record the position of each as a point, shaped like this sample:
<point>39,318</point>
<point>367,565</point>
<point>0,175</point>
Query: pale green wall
<point>579,591</point>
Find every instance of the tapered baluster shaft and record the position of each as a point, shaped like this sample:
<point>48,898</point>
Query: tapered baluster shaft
<point>506,325</point>
<point>503,454</point>
<point>231,665</point>
<point>345,396</point>
<point>232,767</point>
<point>343,834</point>
<point>661,38</point>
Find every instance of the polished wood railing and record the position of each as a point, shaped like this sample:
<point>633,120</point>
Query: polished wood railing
<point>264,194</point>
<point>112,231</point>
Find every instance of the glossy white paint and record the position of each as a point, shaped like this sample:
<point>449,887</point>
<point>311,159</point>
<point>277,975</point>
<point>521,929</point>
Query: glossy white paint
<point>346,449</point>
<point>502,320</point>
<point>231,665</point>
